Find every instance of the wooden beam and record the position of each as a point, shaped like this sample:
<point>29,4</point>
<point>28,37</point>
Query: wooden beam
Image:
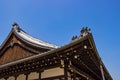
<point>102,72</point>
<point>78,71</point>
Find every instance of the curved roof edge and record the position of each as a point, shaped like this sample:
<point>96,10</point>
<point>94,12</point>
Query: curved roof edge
<point>31,40</point>
<point>28,39</point>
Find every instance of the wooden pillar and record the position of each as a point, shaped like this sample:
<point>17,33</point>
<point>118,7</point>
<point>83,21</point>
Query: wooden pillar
<point>6,78</point>
<point>26,76</point>
<point>39,77</point>
<point>65,70</point>
<point>16,77</point>
<point>40,72</point>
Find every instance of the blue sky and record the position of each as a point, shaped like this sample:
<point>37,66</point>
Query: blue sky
<point>56,21</point>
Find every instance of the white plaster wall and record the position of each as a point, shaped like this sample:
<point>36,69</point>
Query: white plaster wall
<point>33,75</point>
<point>21,77</point>
<point>2,79</point>
<point>52,72</point>
<point>11,78</point>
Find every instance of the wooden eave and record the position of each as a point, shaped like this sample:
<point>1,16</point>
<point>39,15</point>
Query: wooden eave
<point>14,39</point>
<point>98,57</point>
<point>46,53</point>
<point>5,41</point>
<point>36,43</point>
<point>7,44</point>
<point>32,44</point>
<point>63,48</point>
<point>15,31</point>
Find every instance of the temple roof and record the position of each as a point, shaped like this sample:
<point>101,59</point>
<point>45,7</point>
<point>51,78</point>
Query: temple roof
<point>25,45</point>
<point>29,39</point>
<point>73,42</point>
<point>89,58</point>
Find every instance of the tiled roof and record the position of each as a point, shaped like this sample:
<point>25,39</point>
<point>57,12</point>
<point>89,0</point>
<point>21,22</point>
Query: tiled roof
<point>29,39</point>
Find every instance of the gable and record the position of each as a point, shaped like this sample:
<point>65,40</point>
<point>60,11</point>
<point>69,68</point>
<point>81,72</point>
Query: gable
<point>13,53</point>
<point>13,49</point>
<point>19,45</point>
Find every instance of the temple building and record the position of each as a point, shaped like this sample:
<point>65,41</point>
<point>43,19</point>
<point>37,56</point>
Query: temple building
<point>23,57</point>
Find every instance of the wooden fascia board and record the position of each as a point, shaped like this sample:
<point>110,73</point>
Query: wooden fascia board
<point>5,41</point>
<point>92,42</point>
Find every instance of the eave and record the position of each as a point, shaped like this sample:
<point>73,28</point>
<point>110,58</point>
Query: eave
<point>65,49</point>
<point>24,37</point>
<point>69,45</point>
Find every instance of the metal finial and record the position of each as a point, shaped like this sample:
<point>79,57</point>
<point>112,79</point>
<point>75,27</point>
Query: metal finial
<point>16,26</point>
<point>85,31</point>
<point>74,37</point>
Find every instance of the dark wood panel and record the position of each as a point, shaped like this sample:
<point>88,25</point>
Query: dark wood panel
<point>14,53</point>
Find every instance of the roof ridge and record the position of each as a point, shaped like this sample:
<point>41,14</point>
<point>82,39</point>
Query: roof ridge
<point>22,34</point>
